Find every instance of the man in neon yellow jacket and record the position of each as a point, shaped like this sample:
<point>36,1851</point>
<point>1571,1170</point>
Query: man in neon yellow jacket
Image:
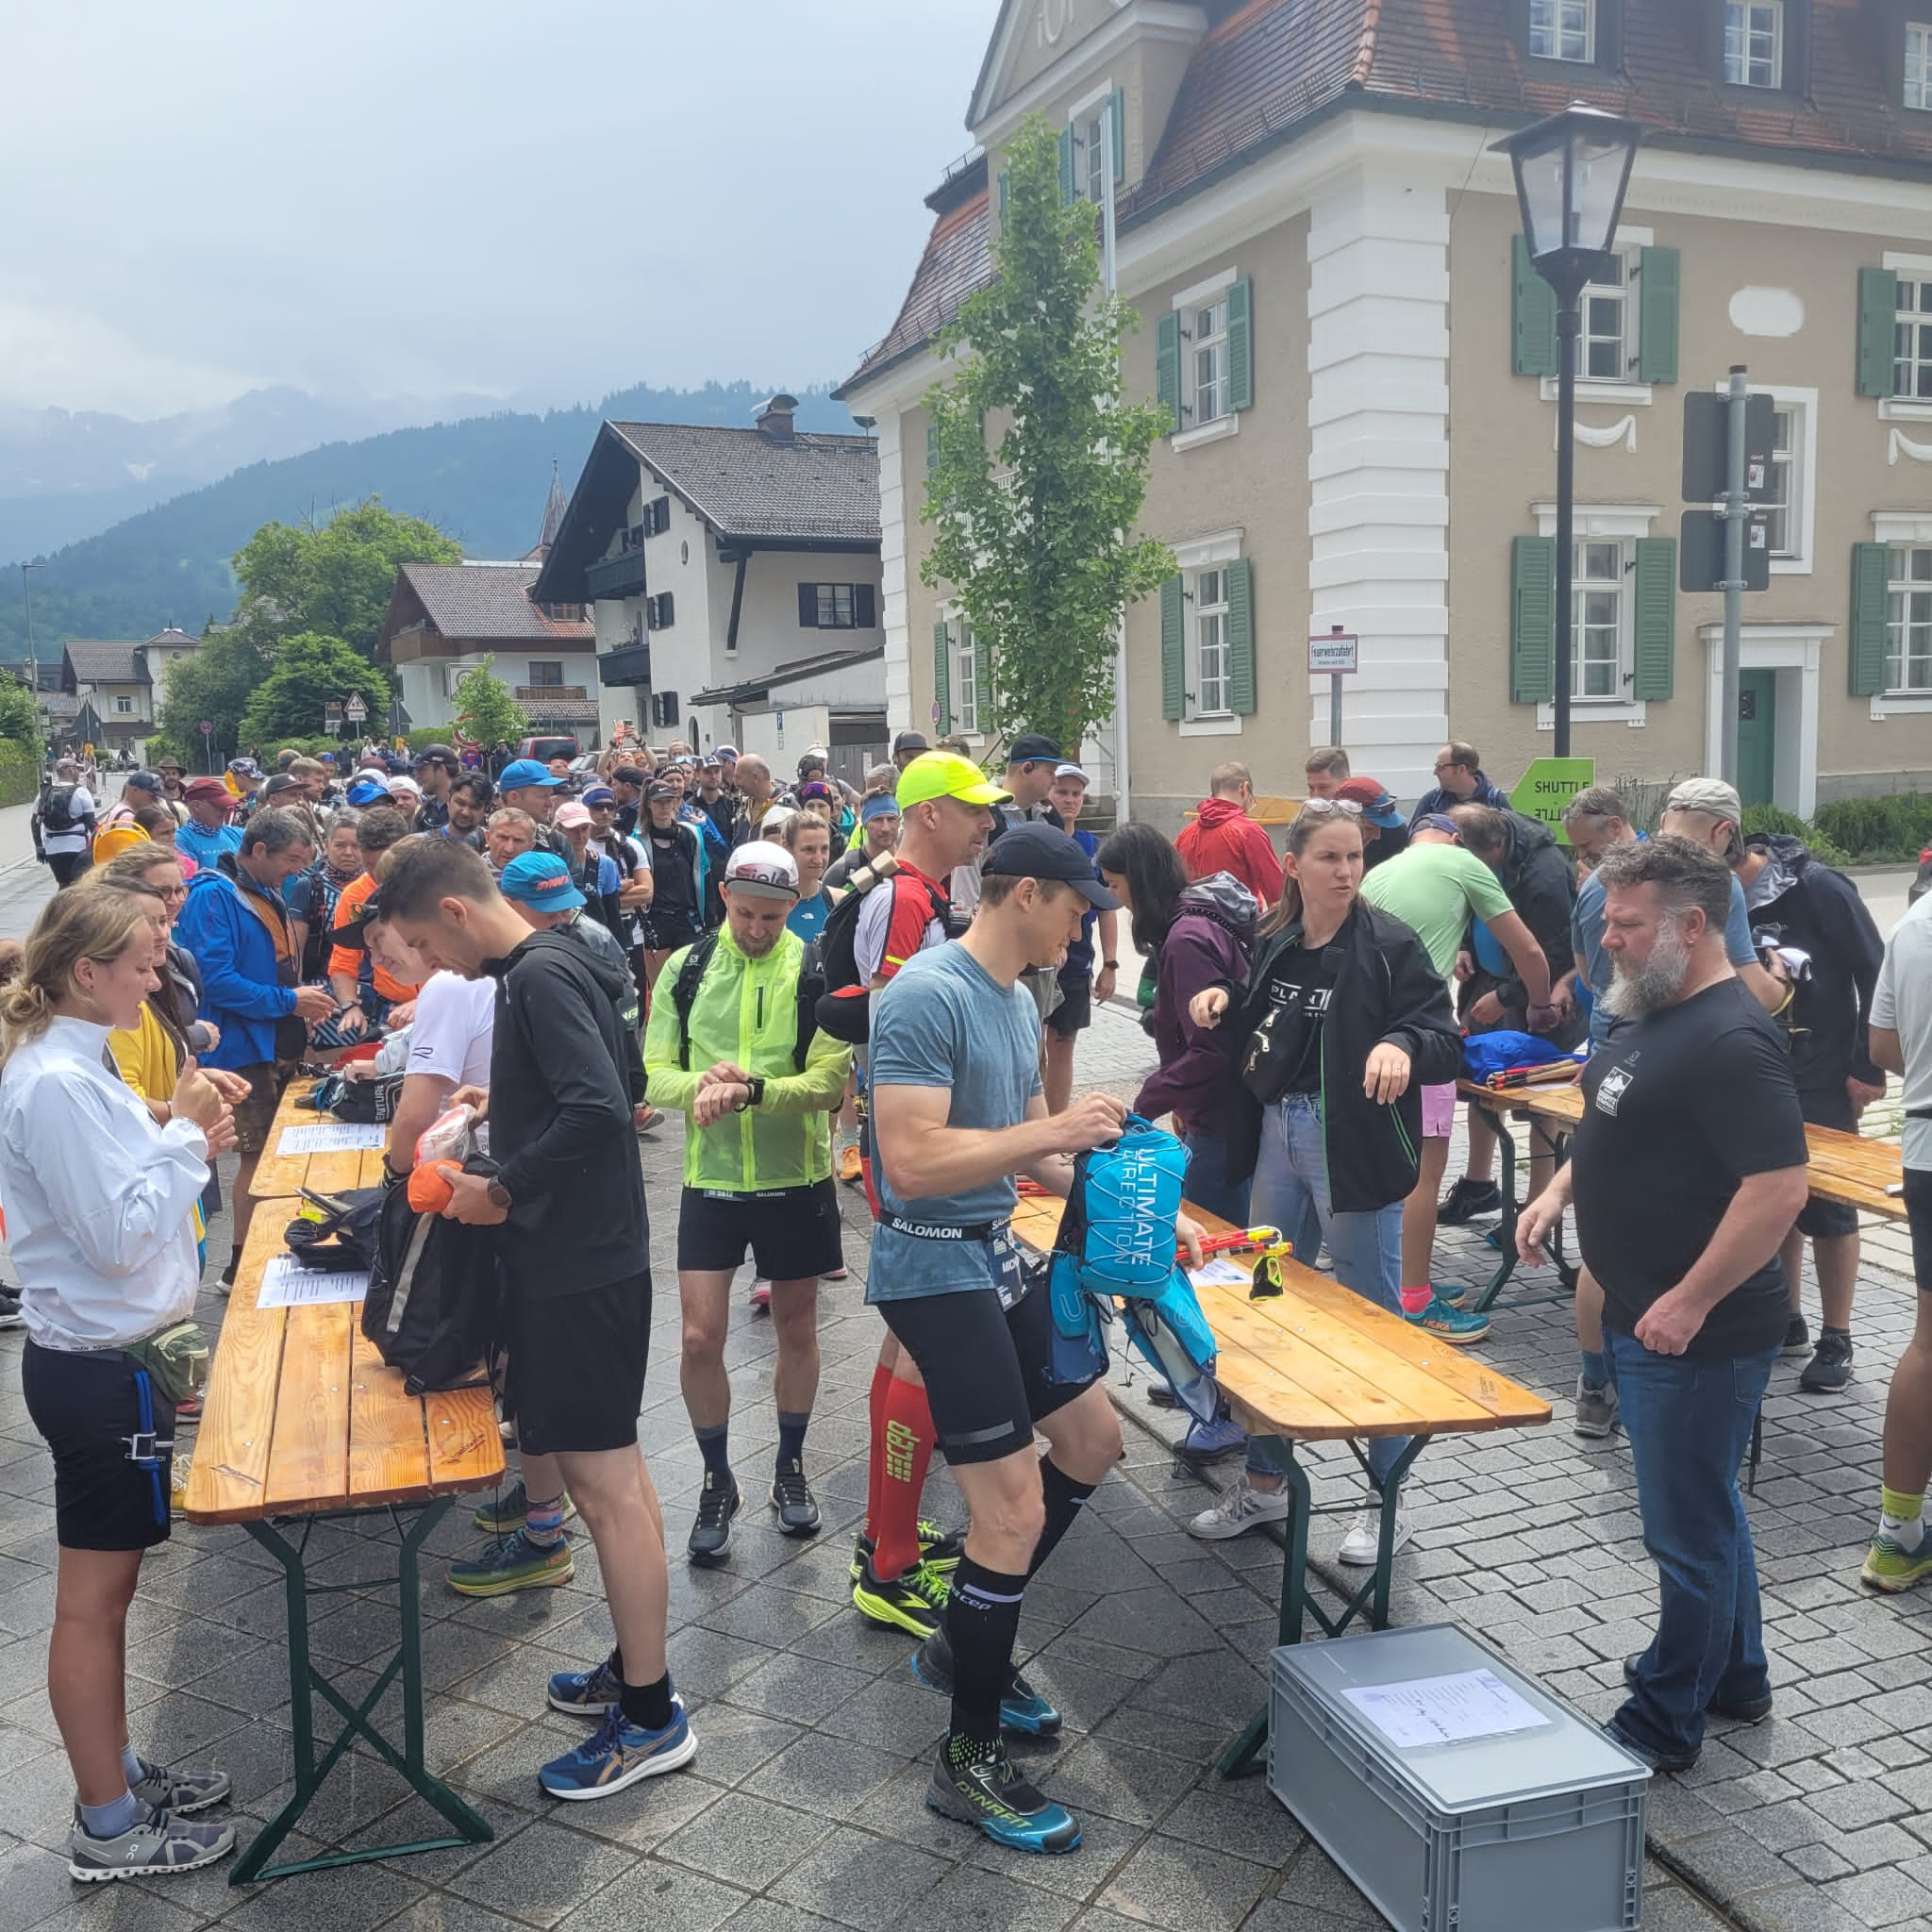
<point>723,1047</point>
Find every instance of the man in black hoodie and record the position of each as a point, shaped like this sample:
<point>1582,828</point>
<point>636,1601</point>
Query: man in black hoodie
<point>568,1197</point>
<point>1803,907</point>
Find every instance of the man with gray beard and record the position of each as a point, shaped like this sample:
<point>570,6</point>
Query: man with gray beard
<point>1690,1111</point>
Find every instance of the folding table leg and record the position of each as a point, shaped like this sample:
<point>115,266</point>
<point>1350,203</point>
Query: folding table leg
<point>1390,1490</point>
<point>1505,1227</point>
<point>1242,1758</point>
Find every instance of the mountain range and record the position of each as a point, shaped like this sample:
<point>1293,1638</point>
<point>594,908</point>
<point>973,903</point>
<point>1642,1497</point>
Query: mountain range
<point>481,477</point>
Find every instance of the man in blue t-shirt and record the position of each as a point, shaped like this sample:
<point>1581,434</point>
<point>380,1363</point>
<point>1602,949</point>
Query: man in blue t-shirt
<point>957,1112</point>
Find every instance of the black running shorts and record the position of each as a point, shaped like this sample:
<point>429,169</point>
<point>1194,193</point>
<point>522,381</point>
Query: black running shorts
<point>1919,1218</point>
<point>576,1378</point>
<point>97,1413</point>
<point>1828,1220</point>
<point>983,1367</point>
<point>793,1233</point>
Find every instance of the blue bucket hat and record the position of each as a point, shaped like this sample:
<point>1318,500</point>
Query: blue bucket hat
<point>522,771</point>
<point>541,881</point>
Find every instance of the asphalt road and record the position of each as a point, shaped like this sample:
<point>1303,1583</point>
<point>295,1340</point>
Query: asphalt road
<point>26,885</point>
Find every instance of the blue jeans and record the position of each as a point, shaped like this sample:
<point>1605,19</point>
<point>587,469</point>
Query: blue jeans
<point>1689,1424</point>
<point>1209,1187</point>
<point>1290,1193</point>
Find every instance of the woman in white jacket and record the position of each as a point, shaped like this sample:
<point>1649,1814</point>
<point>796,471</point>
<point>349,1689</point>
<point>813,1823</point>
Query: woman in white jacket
<point>100,1221</point>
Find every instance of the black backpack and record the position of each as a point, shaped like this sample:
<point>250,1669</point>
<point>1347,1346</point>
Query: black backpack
<point>57,810</point>
<point>844,1010</point>
<point>432,1303</point>
<point>811,988</point>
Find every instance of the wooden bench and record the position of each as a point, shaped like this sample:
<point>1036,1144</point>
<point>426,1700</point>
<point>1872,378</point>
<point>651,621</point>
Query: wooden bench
<point>277,1176</point>
<point>1318,1363</point>
<point>302,1422</point>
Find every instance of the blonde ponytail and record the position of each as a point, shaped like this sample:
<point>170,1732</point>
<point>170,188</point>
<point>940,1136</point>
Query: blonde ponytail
<point>75,924</point>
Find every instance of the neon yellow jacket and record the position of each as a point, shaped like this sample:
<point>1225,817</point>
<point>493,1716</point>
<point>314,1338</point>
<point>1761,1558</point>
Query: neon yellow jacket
<point>747,1013</point>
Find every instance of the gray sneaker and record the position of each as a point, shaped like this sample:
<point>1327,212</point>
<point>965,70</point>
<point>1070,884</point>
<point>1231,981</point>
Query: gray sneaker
<point>179,1790</point>
<point>1596,1409</point>
<point>155,1845</point>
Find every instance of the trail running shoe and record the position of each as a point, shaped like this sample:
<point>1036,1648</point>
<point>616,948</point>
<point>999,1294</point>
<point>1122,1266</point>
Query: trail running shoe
<point>762,1297</point>
<point>1452,1325</point>
<point>912,1602</point>
<point>10,1316</point>
<point>1830,1367</point>
<point>850,1167</point>
<point>178,1791</point>
<point>1219,1441</point>
<point>938,1549</point>
<point>1797,1337</point>
<point>1469,1201</point>
<point>792,1497</point>
<point>510,1563</point>
<point>710,1536</point>
<point>991,1794</point>
<point>1888,1565</point>
<point>510,1509</point>
<point>618,1754</point>
<point>1023,1708</point>
<point>1596,1409</point>
<point>586,1693</point>
<point>156,1845</point>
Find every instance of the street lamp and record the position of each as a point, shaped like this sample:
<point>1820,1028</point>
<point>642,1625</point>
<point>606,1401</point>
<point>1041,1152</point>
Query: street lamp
<point>1570,172</point>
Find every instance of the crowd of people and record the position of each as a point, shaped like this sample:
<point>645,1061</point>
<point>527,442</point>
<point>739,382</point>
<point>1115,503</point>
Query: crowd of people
<point>884,984</point>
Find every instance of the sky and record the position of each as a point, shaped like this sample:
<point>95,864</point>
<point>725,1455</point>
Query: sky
<point>429,198</point>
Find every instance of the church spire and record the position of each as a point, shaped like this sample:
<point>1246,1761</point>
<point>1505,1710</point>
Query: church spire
<point>554,508</point>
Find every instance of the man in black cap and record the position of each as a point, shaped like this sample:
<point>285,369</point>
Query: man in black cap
<point>907,746</point>
<point>138,789</point>
<point>436,771</point>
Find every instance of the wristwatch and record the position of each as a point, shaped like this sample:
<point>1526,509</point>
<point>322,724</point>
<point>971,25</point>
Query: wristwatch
<point>1111,965</point>
<point>499,1194</point>
<point>754,1094</point>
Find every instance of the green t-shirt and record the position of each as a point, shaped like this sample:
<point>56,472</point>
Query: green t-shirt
<point>1436,891</point>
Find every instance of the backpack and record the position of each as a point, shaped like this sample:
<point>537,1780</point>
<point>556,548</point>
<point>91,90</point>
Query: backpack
<point>432,1302</point>
<point>57,810</point>
<point>336,1232</point>
<point>811,988</point>
<point>362,1103</point>
<point>844,1010</point>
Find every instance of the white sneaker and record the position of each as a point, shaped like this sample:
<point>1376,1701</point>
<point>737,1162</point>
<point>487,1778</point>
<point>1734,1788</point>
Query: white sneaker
<point>1240,1509</point>
<point>1358,1547</point>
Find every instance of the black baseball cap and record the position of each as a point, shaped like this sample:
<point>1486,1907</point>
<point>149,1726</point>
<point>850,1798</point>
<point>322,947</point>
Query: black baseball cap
<point>1032,748</point>
<point>146,781</point>
<point>909,741</point>
<point>436,755</point>
<point>1035,851</point>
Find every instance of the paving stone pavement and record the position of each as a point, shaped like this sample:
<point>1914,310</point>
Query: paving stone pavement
<point>803,1805</point>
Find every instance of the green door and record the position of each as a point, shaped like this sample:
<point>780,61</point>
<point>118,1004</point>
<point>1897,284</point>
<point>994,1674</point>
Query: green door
<point>1756,735</point>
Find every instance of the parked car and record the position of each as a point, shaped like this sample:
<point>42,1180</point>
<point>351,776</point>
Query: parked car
<point>1922,883</point>
<point>544,749</point>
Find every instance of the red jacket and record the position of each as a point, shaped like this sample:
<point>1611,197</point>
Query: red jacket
<point>1224,838</point>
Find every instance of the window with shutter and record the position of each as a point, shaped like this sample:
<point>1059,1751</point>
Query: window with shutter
<point>1118,118</point>
<point>1657,326</point>
<point>1240,345</point>
<point>1655,658</point>
<point>809,607</point>
<point>1870,611</point>
<point>1532,316</point>
<point>1532,620</point>
<point>1174,651</point>
<point>982,683</point>
<point>1167,369</point>
<point>1070,181</point>
<point>1241,637</point>
<point>932,445</point>
<point>941,680</point>
<point>865,607</point>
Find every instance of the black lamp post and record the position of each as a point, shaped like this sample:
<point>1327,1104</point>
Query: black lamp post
<point>1571,173</point>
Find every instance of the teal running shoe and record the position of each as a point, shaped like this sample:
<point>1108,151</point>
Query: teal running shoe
<point>989,1793</point>
<point>1452,1325</point>
<point>1023,1708</point>
<point>586,1693</point>
<point>508,1511</point>
<point>510,1563</point>
<point>618,1754</point>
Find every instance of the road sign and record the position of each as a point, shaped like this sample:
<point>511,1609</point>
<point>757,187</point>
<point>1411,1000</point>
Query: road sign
<point>1547,786</point>
<point>1706,444</point>
<point>1333,654</point>
<point>332,713</point>
<point>207,725</point>
<point>356,711</point>
<point>1701,551</point>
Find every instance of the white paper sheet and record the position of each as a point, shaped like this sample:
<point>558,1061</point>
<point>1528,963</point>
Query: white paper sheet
<point>331,1137</point>
<point>285,1283</point>
<point>1219,1272</point>
<point>1445,1710</point>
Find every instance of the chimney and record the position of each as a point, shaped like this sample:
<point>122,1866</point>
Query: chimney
<point>774,420</point>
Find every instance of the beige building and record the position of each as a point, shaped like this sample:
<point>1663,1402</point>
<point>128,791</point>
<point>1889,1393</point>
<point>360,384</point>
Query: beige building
<point>125,681</point>
<point>1323,251</point>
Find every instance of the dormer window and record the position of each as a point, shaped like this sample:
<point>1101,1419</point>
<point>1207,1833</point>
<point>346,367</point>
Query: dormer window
<point>1562,29</point>
<point>1754,42</point>
<point>1918,74</point>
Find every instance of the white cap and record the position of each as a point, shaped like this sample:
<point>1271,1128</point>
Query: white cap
<point>1072,771</point>
<point>763,869</point>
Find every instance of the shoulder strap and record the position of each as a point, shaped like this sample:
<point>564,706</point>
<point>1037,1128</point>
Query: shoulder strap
<point>684,990</point>
<point>811,988</point>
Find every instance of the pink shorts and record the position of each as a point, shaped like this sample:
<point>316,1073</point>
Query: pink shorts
<point>1438,1111</point>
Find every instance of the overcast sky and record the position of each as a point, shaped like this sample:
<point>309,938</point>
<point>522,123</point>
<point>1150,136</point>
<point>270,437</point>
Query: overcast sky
<point>430,197</point>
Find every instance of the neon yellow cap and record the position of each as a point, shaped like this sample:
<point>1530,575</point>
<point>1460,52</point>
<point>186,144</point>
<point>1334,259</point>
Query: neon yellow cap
<point>946,775</point>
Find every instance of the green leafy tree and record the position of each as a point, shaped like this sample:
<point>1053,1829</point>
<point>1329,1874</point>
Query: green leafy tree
<point>486,709</point>
<point>1032,537</point>
<point>19,721</point>
<point>216,683</point>
<point>332,579</point>
<point>310,671</point>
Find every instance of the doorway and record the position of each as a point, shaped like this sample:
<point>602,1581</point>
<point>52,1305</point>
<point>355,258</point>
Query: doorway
<point>1757,736</point>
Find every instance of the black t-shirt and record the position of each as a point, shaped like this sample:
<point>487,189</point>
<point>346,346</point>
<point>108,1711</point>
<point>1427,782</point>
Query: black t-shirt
<point>1285,1054</point>
<point>673,869</point>
<point>1678,1109</point>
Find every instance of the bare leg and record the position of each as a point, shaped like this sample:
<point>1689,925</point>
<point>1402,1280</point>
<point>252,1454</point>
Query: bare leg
<point>86,1682</point>
<point>241,1202</point>
<point>1590,1312</point>
<point>1908,1411</point>
<point>1481,1165</point>
<point>1836,1257</point>
<point>614,1495</point>
<point>1419,1215</point>
<point>1791,1253</point>
<point>706,1298</point>
<point>796,1317</point>
<point>1056,1075</point>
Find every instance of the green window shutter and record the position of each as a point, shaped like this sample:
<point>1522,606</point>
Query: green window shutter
<point>1871,609</point>
<point>1532,620</point>
<point>1174,651</point>
<point>1878,328</point>
<point>1067,176</point>
<point>1166,368</point>
<point>982,683</point>
<point>1532,317</point>
<point>1120,135</point>
<point>1240,636</point>
<point>932,445</point>
<point>942,677</point>
<point>1240,345</point>
<point>1657,618</point>
<point>1656,319</point>
<point>1003,190</point>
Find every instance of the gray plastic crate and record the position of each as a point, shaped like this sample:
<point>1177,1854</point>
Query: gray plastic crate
<point>1535,1830</point>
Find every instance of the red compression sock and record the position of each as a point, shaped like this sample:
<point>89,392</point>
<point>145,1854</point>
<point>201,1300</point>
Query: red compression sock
<point>881,1382</point>
<point>902,1450</point>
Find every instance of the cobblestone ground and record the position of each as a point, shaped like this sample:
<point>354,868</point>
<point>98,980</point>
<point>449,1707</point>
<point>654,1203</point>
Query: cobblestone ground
<point>804,1804</point>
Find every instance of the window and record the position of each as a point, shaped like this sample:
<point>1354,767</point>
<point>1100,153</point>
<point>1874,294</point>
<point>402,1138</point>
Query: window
<point>1754,42</point>
<point>661,612</point>
<point>1094,157</point>
<point>1607,347</point>
<point>1909,626</point>
<point>1208,389</point>
<point>123,705</point>
<point>1211,679</point>
<point>657,517</point>
<point>965,680</point>
<point>1596,622</point>
<point>1911,342</point>
<point>1562,29</point>
<point>1781,485</point>
<point>834,605</point>
<point>546,674</point>
<point>1917,92</point>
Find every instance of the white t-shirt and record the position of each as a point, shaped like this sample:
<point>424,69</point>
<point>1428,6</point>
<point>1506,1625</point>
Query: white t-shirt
<point>1903,1005</point>
<point>451,1033</point>
<point>75,838</point>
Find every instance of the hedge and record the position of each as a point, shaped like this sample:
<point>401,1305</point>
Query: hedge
<point>20,773</point>
<point>1771,817</point>
<point>1897,827</point>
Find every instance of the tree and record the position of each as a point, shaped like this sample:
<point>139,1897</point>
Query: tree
<point>485,711</point>
<point>1032,537</point>
<point>311,672</point>
<point>333,578</point>
<point>20,719</point>
<point>216,683</point>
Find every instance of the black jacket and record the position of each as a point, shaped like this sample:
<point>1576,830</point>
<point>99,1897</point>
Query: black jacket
<point>1387,991</point>
<point>560,1119</point>
<point>1802,903</point>
<point>1543,889</point>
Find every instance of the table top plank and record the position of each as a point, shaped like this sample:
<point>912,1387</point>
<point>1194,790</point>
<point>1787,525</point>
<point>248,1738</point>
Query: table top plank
<point>228,1478</point>
<point>277,1176</point>
<point>465,1446</point>
<point>389,1453</point>
<point>308,1465</point>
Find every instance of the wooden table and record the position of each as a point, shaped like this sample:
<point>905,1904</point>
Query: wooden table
<point>1318,1363</point>
<point>303,1421</point>
<point>279,1176</point>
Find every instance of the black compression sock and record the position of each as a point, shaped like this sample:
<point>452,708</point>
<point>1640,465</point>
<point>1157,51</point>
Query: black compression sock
<point>1064,1500</point>
<point>713,1447</point>
<point>792,1430</point>
<point>982,1620</point>
<point>648,1705</point>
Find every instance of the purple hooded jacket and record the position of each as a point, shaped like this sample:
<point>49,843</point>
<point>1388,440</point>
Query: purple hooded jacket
<point>1208,943</point>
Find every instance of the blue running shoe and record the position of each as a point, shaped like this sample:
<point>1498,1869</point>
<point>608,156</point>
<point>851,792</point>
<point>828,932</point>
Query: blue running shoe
<point>586,1693</point>
<point>620,1754</point>
<point>1452,1325</point>
<point>991,1793</point>
<point>1219,1441</point>
<point>1023,1708</point>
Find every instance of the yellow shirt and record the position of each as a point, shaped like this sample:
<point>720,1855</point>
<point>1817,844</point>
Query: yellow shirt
<point>146,1057</point>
